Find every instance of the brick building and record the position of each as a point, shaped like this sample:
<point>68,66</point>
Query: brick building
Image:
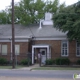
<point>32,39</point>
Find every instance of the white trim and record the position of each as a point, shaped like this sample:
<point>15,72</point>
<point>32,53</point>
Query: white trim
<point>40,46</point>
<point>67,49</point>
<point>51,39</point>
<point>37,46</point>
<point>21,40</point>
<point>15,40</point>
<point>48,53</point>
<point>32,55</point>
<point>0,49</point>
<point>9,37</point>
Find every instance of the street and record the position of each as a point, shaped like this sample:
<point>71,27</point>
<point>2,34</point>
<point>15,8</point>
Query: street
<point>45,74</point>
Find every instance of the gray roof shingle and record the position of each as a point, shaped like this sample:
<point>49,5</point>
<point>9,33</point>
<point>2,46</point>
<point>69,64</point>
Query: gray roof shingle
<point>20,30</point>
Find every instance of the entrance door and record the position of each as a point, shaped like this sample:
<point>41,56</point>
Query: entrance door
<point>43,55</point>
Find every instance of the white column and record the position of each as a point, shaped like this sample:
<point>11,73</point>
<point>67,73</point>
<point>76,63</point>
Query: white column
<point>32,55</point>
<point>48,52</point>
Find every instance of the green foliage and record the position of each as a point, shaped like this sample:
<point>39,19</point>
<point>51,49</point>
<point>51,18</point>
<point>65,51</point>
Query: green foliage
<point>49,62</point>
<point>25,11</point>
<point>58,61</point>
<point>3,17</point>
<point>68,20</point>
<point>78,62</point>
<point>26,62</point>
<point>3,61</point>
<point>62,61</point>
<point>52,6</point>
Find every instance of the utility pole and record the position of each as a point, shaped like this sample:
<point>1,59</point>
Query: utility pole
<point>13,43</point>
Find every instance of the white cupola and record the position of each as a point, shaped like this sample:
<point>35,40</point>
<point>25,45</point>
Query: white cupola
<point>48,19</point>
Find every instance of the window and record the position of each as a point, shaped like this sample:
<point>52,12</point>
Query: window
<point>43,52</point>
<point>78,49</point>
<point>64,48</point>
<point>17,49</point>
<point>4,49</point>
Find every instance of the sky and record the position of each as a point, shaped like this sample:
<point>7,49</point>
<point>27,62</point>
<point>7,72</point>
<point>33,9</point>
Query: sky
<point>5,3</point>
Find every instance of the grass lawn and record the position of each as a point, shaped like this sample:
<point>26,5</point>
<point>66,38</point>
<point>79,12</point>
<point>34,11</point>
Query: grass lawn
<point>56,68</point>
<point>10,67</point>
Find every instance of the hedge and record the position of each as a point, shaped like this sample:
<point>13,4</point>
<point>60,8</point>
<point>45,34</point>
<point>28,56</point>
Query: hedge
<point>62,61</point>
<point>3,61</point>
<point>26,62</point>
<point>49,61</point>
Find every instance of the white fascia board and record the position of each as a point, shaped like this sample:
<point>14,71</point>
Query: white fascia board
<point>16,37</point>
<point>40,46</point>
<point>15,40</point>
<point>51,38</point>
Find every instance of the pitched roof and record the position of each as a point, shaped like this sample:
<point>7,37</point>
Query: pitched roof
<point>28,31</point>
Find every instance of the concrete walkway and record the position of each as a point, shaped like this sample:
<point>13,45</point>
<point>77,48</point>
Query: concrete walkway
<point>30,67</point>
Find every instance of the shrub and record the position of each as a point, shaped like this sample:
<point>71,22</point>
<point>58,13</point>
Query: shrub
<point>3,61</point>
<point>78,62</point>
<point>49,61</point>
<point>62,61</point>
<point>26,62</point>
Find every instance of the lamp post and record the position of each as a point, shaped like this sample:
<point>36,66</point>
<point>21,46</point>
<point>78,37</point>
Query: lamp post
<point>13,47</point>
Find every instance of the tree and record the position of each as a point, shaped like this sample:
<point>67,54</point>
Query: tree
<point>52,6</point>
<point>68,20</point>
<point>3,17</point>
<point>25,11</point>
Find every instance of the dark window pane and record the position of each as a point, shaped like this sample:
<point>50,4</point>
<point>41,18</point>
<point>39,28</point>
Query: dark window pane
<point>65,52</point>
<point>64,44</point>
<point>77,52</point>
<point>78,44</point>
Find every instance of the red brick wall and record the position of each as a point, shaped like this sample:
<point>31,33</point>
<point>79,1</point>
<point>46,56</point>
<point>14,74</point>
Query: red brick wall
<point>56,49</point>
<point>23,50</point>
<point>72,51</point>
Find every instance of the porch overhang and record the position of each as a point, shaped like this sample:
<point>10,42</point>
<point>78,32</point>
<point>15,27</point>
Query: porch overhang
<point>41,46</point>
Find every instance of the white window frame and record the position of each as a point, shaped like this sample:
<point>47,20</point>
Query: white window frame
<point>64,48</point>
<point>17,52</point>
<point>77,49</point>
<point>2,50</point>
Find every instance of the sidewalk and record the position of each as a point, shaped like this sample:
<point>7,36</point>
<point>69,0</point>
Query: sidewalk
<point>19,78</point>
<point>30,67</point>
